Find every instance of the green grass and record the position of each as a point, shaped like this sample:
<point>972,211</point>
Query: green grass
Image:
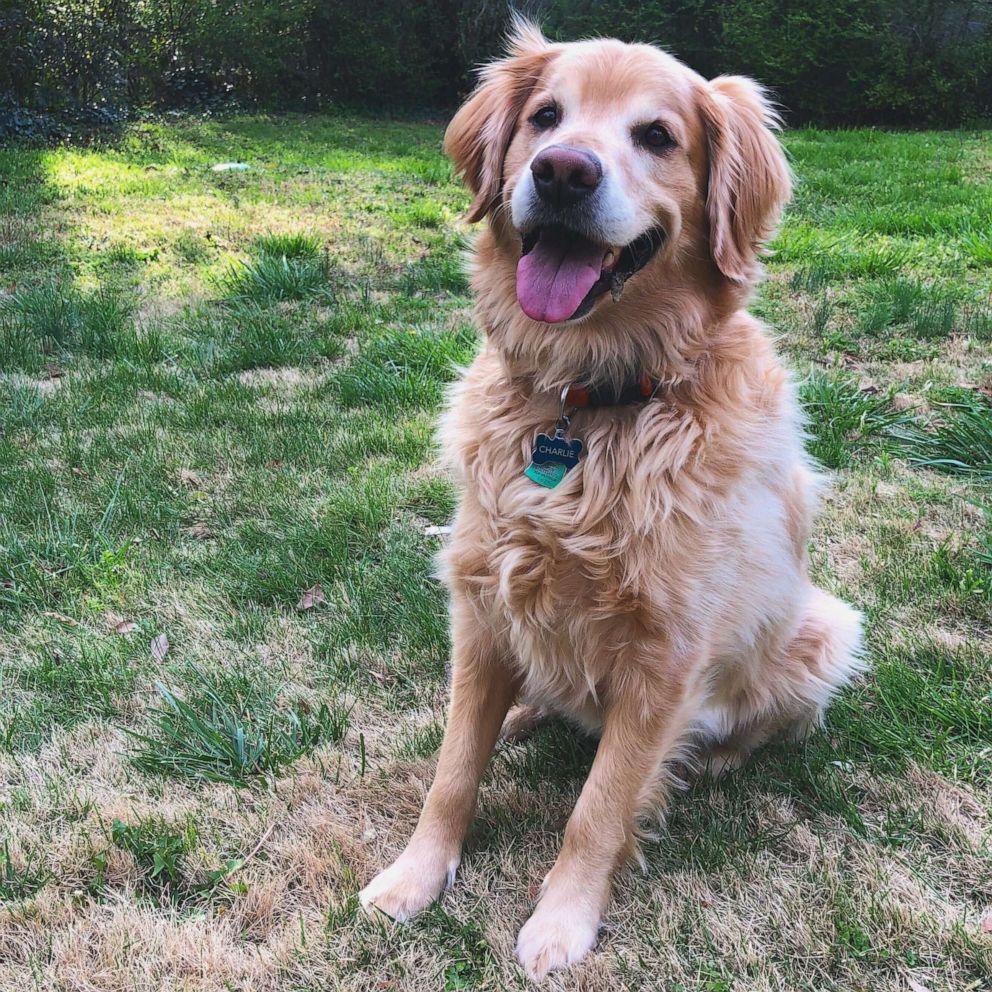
<point>231,729</point>
<point>273,278</point>
<point>157,850</point>
<point>219,390</point>
<point>845,421</point>
<point>23,879</point>
<point>959,441</point>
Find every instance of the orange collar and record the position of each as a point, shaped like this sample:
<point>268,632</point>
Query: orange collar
<point>638,390</point>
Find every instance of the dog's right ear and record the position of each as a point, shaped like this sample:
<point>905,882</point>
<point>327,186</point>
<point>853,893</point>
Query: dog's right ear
<point>480,133</point>
<point>749,179</point>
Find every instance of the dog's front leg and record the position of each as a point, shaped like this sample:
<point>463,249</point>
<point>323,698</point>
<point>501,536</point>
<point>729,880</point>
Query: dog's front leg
<point>482,688</point>
<point>641,728</point>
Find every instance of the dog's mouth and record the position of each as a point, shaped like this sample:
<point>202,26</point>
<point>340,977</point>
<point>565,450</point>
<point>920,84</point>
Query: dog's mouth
<point>562,273</point>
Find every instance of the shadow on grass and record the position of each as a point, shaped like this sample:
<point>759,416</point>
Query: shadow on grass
<point>724,825</point>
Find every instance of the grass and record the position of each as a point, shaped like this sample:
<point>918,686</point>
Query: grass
<point>231,730</point>
<point>20,880</point>
<point>960,441</point>
<point>846,422</point>
<point>223,649</point>
<point>274,278</point>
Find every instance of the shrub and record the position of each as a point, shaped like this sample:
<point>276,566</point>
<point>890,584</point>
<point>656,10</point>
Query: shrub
<point>839,62</point>
<point>79,63</point>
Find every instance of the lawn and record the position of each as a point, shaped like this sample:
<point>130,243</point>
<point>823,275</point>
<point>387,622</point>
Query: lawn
<point>222,650</point>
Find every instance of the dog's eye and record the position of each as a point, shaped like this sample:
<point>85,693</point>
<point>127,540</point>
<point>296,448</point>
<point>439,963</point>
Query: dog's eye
<point>546,117</point>
<point>656,137</point>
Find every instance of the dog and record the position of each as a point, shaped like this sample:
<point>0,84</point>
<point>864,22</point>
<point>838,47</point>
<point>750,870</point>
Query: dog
<point>630,545</point>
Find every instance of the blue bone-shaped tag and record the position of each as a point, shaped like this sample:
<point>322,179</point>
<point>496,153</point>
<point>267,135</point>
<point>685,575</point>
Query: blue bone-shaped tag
<point>556,449</point>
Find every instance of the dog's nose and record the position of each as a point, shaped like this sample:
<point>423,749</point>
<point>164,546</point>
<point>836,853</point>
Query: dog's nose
<point>564,175</point>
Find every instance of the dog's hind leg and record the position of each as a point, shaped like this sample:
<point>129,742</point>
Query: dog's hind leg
<point>792,687</point>
<point>824,655</point>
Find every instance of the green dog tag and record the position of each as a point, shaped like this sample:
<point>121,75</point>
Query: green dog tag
<point>547,474</point>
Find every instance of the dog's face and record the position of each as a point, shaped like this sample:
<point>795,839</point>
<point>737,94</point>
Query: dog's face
<point>600,161</point>
<point>605,162</point>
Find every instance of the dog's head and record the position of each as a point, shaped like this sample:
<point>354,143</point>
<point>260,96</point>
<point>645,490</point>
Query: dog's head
<point>600,162</point>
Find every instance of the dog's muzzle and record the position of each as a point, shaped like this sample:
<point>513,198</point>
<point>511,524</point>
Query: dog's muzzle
<point>562,272</point>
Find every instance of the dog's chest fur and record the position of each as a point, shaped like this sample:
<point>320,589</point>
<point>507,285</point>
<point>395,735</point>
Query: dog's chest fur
<point>572,578</point>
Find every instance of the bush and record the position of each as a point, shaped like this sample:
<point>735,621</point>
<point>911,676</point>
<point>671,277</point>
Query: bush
<point>911,62</point>
<point>79,64</point>
<point>61,68</point>
<point>390,54</point>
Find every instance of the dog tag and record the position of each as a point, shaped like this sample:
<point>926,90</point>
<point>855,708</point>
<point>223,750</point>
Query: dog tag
<point>548,475</point>
<point>552,457</point>
<point>556,449</point>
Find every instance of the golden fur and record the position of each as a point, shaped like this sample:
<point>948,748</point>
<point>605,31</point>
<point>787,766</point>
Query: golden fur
<point>659,594</point>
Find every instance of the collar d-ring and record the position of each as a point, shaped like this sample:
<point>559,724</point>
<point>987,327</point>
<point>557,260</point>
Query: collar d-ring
<point>563,419</point>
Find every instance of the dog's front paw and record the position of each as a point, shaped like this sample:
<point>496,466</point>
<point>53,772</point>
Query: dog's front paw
<point>409,885</point>
<point>557,934</point>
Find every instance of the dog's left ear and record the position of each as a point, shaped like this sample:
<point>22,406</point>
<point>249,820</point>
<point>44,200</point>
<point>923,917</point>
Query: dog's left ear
<point>480,133</point>
<point>749,179</point>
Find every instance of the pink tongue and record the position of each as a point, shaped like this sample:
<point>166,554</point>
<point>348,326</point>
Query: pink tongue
<point>555,275</point>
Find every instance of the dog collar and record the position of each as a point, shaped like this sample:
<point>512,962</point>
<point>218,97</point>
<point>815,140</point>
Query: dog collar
<point>638,390</point>
<point>555,454</point>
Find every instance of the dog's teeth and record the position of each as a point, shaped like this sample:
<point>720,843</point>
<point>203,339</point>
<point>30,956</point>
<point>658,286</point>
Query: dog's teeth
<point>608,259</point>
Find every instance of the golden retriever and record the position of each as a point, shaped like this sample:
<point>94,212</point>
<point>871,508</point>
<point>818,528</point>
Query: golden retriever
<point>650,583</point>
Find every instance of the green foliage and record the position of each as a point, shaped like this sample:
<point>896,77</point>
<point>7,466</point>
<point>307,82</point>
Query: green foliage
<point>840,62</point>
<point>272,279</point>
<point>926,704</point>
<point>960,441</point>
<point>432,497</point>
<point>194,498</point>
<point>62,67</point>
<point>65,688</point>
<point>439,272</point>
<point>927,311</point>
<point>984,555</point>
<point>161,851</point>
<point>285,267</point>
<point>53,318</point>
<point>403,368</point>
<point>20,879</point>
<point>410,45</point>
<point>80,64</point>
<point>156,848</point>
<point>296,246</point>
